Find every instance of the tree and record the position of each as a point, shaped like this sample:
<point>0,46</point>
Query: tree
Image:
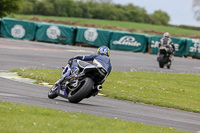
<point>45,8</point>
<point>97,9</point>
<point>77,10</point>
<point>28,7</point>
<point>161,18</point>
<point>99,1</point>
<point>196,9</point>
<point>149,19</point>
<point>135,13</point>
<point>9,6</point>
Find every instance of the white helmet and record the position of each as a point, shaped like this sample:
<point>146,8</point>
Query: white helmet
<point>166,34</point>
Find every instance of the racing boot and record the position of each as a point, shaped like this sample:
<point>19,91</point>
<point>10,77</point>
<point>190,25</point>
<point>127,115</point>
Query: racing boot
<point>171,58</point>
<point>75,71</point>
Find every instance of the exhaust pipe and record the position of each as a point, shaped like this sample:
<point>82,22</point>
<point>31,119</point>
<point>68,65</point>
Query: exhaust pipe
<point>99,87</point>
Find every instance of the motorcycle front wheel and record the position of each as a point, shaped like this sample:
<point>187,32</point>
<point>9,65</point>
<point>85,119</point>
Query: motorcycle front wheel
<point>52,92</point>
<point>83,90</point>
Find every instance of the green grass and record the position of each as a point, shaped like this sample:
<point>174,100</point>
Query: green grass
<point>179,91</point>
<point>16,118</point>
<point>123,24</point>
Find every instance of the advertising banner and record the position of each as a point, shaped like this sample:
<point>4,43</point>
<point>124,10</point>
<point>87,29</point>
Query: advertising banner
<point>55,33</point>
<point>193,47</point>
<point>0,27</point>
<point>18,29</point>
<point>128,41</point>
<point>93,36</point>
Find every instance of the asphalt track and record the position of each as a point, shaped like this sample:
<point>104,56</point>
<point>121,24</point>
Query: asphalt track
<point>28,54</point>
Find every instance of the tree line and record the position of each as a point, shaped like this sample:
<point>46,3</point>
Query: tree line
<point>95,9</point>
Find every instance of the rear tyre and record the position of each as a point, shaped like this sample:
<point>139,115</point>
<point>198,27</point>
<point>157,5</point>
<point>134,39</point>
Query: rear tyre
<point>52,92</point>
<point>86,86</point>
<point>161,65</point>
<point>161,61</point>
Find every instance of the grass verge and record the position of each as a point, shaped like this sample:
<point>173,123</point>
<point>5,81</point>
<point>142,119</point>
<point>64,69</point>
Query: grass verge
<point>15,118</point>
<point>123,24</point>
<point>179,91</point>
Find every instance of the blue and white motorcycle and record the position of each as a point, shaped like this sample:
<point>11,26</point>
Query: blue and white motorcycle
<point>83,83</point>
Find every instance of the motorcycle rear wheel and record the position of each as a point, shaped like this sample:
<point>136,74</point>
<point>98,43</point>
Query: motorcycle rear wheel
<point>160,60</point>
<point>161,65</point>
<point>52,92</point>
<point>82,92</point>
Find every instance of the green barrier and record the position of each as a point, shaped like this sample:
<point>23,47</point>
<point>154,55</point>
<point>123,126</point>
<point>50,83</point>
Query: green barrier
<point>128,41</point>
<point>55,33</point>
<point>193,47</point>
<point>18,29</point>
<point>154,43</point>
<point>0,27</point>
<point>180,46</point>
<point>179,43</point>
<point>93,36</point>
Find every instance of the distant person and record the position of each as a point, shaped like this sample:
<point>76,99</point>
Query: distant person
<point>167,41</point>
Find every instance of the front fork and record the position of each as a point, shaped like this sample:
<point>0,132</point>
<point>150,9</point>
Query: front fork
<point>65,74</point>
<point>61,92</point>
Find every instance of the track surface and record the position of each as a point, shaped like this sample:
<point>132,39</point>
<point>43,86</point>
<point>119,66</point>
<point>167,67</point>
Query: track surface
<point>27,54</point>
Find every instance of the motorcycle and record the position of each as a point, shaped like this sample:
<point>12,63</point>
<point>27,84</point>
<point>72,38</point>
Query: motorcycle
<point>82,83</point>
<point>164,57</point>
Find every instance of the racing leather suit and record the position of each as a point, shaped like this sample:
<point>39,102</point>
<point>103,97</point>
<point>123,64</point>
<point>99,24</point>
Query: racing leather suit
<point>99,60</point>
<point>167,41</point>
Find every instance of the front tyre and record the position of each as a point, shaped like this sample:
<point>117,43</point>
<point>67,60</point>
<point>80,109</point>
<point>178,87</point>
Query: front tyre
<point>52,92</point>
<point>86,86</point>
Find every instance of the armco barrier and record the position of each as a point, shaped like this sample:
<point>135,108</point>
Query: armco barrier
<point>128,41</point>
<point>179,43</point>
<point>193,47</point>
<point>55,33</point>
<point>18,29</point>
<point>93,36</point>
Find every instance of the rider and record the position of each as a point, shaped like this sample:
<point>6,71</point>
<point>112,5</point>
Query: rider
<point>167,41</point>
<point>101,58</point>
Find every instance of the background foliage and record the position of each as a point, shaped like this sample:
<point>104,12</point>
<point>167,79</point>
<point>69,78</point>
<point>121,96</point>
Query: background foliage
<point>93,9</point>
<point>96,9</point>
<point>9,6</point>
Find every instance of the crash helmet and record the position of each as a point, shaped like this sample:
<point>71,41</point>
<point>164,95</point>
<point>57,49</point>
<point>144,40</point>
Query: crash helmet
<point>166,34</point>
<point>103,50</point>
